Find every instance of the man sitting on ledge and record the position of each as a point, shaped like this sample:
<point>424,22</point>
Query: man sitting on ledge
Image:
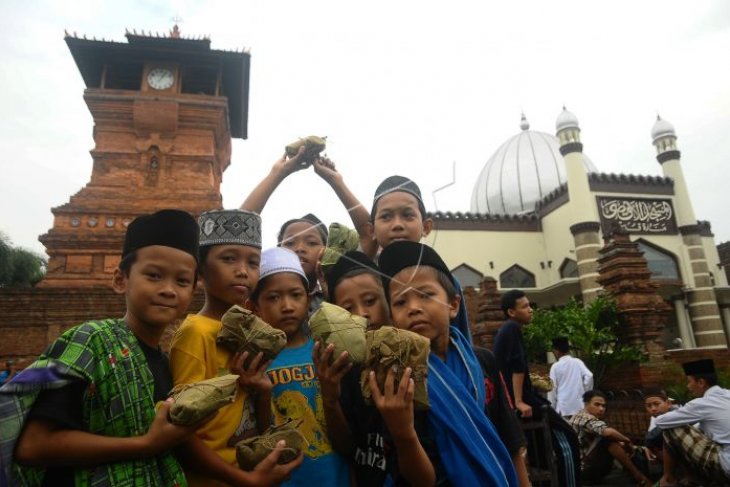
<point>704,450</point>
<point>600,444</point>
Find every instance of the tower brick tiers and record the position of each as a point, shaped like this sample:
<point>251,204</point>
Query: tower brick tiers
<point>164,110</point>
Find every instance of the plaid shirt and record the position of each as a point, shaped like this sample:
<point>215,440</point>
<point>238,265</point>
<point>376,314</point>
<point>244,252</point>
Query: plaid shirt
<point>118,402</point>
<point>589,430</point>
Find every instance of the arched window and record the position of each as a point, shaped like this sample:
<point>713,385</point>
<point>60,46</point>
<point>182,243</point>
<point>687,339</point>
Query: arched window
<point>516,277</point>
<point>569,268</point>
<point>662,264</point>
<point>468,276</point>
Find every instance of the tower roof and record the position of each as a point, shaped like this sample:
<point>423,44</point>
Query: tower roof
<point>566,120</point>
<point>661,128</point>
<point>91,55</point>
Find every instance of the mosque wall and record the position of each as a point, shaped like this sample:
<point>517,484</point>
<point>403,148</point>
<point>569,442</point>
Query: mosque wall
<point>559,243</point>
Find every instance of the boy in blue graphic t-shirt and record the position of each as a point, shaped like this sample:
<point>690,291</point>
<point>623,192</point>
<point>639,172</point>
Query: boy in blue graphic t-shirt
<point>281,300</point>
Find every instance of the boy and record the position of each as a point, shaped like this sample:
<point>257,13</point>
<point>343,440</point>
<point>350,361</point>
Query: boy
<point>704,449</point>
<point>398,213</point>
<point>600,444</point>
<point>281,300</point>
<point>230,252</point>
<point>461,443</point>
<point>509,350</point>
<point>307,236</point>
<point>570,377</point>
<point>656,403</point>
<point>85,410</point>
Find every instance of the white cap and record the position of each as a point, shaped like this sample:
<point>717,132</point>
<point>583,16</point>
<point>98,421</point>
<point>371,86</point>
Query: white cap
<point>279,259</point>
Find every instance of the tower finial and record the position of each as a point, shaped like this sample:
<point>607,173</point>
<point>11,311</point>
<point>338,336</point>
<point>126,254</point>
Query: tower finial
<point>524,124</point>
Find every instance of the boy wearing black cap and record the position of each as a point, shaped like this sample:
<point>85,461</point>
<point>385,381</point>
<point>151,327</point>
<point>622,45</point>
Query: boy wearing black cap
<point>705,449</point>
<point>570,377</point>
<point>460,441</point>
<point>85,410</point>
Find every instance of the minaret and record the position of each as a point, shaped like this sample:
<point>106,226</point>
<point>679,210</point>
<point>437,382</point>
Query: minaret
<point>702,301</point>
<point>583,209</point>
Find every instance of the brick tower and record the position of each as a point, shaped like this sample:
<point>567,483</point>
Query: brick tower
<point>164,109</point>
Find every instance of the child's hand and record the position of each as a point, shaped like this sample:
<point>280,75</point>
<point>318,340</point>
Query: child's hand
<point>162,434</point>
<point>396,406</point>
<point>254,377</point>
<point>269,473</point>
<point>330,375</point>
<point>326,170</point>
<point>284,167</point>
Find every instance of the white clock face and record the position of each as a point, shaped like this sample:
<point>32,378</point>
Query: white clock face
<point>160,78</point>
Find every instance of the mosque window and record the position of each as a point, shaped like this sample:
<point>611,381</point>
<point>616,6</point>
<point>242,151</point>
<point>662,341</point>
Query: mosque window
<point>662,264</point>
<point>516,277</point>
<point>467,276</point>
<point>569,268</point>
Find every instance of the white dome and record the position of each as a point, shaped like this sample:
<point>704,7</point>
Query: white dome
<point>521,172</point>
<point>566,120</point>
<point>661,128</point>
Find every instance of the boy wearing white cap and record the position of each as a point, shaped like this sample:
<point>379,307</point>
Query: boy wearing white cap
<point>281,299</point>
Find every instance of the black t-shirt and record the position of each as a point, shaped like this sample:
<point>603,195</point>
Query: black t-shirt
<point>499,408</point>
<point>64,407</point>
<point>509,350</point>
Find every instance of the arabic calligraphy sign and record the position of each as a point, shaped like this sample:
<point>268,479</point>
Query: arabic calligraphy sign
<point>637,215</point>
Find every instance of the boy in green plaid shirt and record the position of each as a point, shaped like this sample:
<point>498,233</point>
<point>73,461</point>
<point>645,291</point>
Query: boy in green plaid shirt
<point>84,413</point>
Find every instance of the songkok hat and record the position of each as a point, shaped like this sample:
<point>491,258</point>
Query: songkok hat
<point>699,367</point>
<point>403,254</point>
<point>561,343</point>
<point>308,218</point>
<point>170,228</point>
<point>398,183</point>
<point>655,392</point>
<point>348,262</point>
<point>278,259</point>
<point>230,227</point>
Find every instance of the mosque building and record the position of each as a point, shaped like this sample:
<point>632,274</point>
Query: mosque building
<point>539,211</point>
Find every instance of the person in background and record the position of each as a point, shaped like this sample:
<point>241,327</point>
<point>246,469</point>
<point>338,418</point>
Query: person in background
<point>8,373</point>
<point>600,444</point>
<point>571,378</point>
<point>703,449</point>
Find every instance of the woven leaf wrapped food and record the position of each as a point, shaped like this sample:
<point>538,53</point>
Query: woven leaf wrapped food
<point>195,402</point>
<point>332,324</point>
<point>340,240</point>
<point>541,383</point>
<point>390,347</point>
<point>243,331</point>
<point>251,451</point>
<point>314,145</point>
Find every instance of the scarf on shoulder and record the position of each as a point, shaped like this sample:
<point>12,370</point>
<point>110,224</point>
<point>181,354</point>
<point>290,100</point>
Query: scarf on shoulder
<point>470,449</point>
<point>118,402</point>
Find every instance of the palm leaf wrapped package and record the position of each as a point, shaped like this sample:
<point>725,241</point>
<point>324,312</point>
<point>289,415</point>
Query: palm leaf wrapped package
<point>313,146</point>
<point>541,383</point>
<point>334,325</point>
<point>195,402</point>
<point>340,240</point>
<point>243,331</point>
<point>251,451</point>
<point>390,347</point>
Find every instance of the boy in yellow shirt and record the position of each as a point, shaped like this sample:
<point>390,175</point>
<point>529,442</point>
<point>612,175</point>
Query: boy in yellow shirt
<point>230,254</point>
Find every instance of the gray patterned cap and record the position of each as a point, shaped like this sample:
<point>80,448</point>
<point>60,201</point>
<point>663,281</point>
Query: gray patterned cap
<point>237,227</point>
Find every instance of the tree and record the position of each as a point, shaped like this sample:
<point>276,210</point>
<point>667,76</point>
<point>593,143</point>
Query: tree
<point>592,331</point>
<point>19,268</point>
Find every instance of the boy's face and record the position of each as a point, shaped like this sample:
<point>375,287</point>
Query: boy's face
<point>363,295</point>
<point>696,386</point>
<point>596,406</point>
<point>283,302</point>
<point>419,304</point>
<point>304,239</point>
<point>398,217</point>
<point>656,405</point>
<point>522,312</point>
<point>159,286</point>
<point>230,273</point>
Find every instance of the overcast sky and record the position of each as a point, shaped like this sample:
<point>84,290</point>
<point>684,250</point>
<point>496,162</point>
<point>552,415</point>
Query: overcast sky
<point>398,87</point>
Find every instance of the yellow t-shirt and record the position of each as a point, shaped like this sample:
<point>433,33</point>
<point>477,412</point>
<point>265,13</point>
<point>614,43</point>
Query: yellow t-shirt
<point>194,356</point>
